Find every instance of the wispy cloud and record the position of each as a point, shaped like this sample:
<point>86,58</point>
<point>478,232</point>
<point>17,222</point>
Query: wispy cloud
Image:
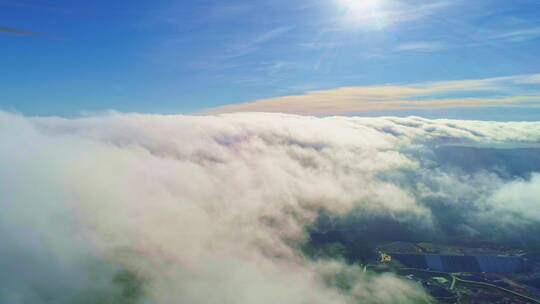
<point>530,79</point>
<point>231,54</point>
<point>405,13</point>
<point>230,10</point>
<point>518,34</point>
<point>521,89</point>
<point>374,17</point>
<point>250,46</point>
<point>420,46</point>
<point>272,34</point>
<point>278,67</point>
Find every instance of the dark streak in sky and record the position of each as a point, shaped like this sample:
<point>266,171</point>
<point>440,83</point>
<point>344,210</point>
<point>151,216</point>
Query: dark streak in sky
<point>15,31</point>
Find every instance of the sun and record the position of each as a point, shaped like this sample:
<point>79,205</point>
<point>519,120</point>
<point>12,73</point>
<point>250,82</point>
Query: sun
<point>360,5</point>
<point>364,14</point>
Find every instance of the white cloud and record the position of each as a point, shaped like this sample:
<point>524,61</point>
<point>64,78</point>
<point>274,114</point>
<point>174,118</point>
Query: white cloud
<point>212,209</point>
<point>518,202</point>
<point>500,91</point>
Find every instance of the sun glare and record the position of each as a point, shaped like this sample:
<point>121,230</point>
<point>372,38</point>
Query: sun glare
<point>363,14</point>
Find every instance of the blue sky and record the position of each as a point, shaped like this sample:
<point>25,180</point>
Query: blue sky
<point>74,57</point>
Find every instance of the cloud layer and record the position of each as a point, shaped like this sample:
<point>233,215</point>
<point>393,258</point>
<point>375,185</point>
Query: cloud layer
<point>214,209</point>
<point>503,91</point>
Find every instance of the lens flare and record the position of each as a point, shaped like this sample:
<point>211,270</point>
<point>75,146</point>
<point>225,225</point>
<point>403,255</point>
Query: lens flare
<point>364,14</point>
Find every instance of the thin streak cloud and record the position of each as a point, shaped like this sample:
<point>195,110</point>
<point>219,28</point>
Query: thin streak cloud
<point>501,91</point>
<point>420,46</point>
<point>518,35</point>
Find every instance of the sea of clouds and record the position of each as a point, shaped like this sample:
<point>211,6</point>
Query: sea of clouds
<point>214,209</point>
